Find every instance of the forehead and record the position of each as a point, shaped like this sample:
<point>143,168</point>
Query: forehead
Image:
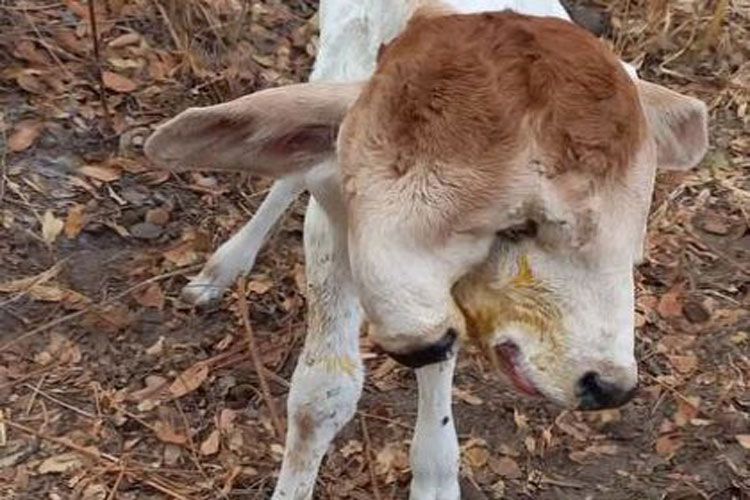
<point>474,91</point>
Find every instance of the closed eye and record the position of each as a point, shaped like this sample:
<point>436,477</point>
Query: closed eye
<point>525,230</point>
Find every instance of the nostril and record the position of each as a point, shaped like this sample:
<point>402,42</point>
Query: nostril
<point>596,393</point>
<point>590,382</point>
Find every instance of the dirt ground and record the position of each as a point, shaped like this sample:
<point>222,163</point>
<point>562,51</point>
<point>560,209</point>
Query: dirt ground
<point>110,387</point>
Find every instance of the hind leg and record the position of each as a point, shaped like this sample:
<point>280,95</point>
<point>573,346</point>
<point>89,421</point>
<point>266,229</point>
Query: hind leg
<point>237,255</point>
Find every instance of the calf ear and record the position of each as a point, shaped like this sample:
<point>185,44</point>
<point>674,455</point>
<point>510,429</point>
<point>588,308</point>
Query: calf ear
<point>679,124</point>
<point>272,132</point>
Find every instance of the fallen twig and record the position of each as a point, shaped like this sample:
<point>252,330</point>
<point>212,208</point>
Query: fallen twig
<point>368,456</point>
<point>98,65</point>
<point>97,456</point>
<point>257,361</point>
<point>113,492</point>
<point>40,392</point>
<point>114,298</point>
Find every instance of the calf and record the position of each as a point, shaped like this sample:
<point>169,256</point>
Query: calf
<point>481,176</point>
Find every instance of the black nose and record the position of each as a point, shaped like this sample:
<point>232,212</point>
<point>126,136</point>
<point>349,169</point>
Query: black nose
<point>597,394</point>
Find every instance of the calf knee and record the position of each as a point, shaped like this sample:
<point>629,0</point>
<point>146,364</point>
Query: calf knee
<point>323,397</point>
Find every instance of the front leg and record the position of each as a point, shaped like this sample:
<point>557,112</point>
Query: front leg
<point>434,451</point>
<point>327,381</point>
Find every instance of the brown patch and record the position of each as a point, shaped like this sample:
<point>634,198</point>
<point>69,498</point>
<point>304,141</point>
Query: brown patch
<point>305,429</point>
<point>305,426</point>
<point>456,100</point>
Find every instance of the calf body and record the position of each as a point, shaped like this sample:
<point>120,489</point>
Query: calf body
<point>479,176</point>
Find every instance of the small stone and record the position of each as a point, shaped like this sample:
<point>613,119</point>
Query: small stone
<point>696,312</point>
<point>157,216</point>
<point>239,396</point>
<point>146,231</point>
<point>135,196</point>
<point>130,216</point>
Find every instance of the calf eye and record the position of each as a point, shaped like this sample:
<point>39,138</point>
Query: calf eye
<point>527,229</point>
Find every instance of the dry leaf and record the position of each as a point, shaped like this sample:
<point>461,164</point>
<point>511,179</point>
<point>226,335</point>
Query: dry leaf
<point>602,449</point>
<point>476,457</point>
<point>189,380</point>
<point>53,293</point>
<point>530,444</point>
<point>154,384</point>
<point>667,445</point>
<point>466,397</point>
<point>166,434</point>
<point>51,227</point>
<point>352,447</point>
<point>77,8</point>
<point>670,304</point>
<point>522,422</point>
<point>744,440</point>
<point>157,349</point>
<point>389,460</point>
<point>260,285</point>
<point>24,136</point>
<point>182,255</point>
<point>211,444</point>
<point>151,297</point>
<point>61,463</point>
<point>684,364</point>
<point>29,81</point>
<point>26,49</point>
<point>157,216</point>
<point>505,467</point>
<point>95,492</point>
<point>124,40</point>
<point>226,419</point>
<point>172,454</point>
<point>61,349</point>
<point>686,410</point>
<point>102,173</point>
<point>581,457</point>
<point>75,221</point>
<point>118,83</point>
<point>22,284</point>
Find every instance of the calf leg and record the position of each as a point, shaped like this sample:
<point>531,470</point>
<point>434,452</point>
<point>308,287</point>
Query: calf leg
<point>434,450</point>
<point>237,255</point>
<point>327,381</point>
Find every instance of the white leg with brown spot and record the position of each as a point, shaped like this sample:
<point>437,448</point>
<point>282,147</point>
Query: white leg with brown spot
<point>237,255</point>
<point>327,381</point>
<point>434,450</point>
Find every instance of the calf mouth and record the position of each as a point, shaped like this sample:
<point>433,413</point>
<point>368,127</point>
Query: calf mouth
<point>507,357</point>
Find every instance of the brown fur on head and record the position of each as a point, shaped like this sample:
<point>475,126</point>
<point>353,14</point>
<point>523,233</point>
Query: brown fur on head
<point>463,95</point>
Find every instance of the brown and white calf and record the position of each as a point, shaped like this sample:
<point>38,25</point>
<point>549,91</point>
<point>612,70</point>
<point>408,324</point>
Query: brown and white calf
<point>474,175</point>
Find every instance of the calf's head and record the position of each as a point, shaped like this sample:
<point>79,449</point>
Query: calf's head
<point>496,172</point>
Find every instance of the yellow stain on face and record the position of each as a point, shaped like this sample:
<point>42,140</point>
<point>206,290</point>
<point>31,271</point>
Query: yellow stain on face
<point>523,301</point>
